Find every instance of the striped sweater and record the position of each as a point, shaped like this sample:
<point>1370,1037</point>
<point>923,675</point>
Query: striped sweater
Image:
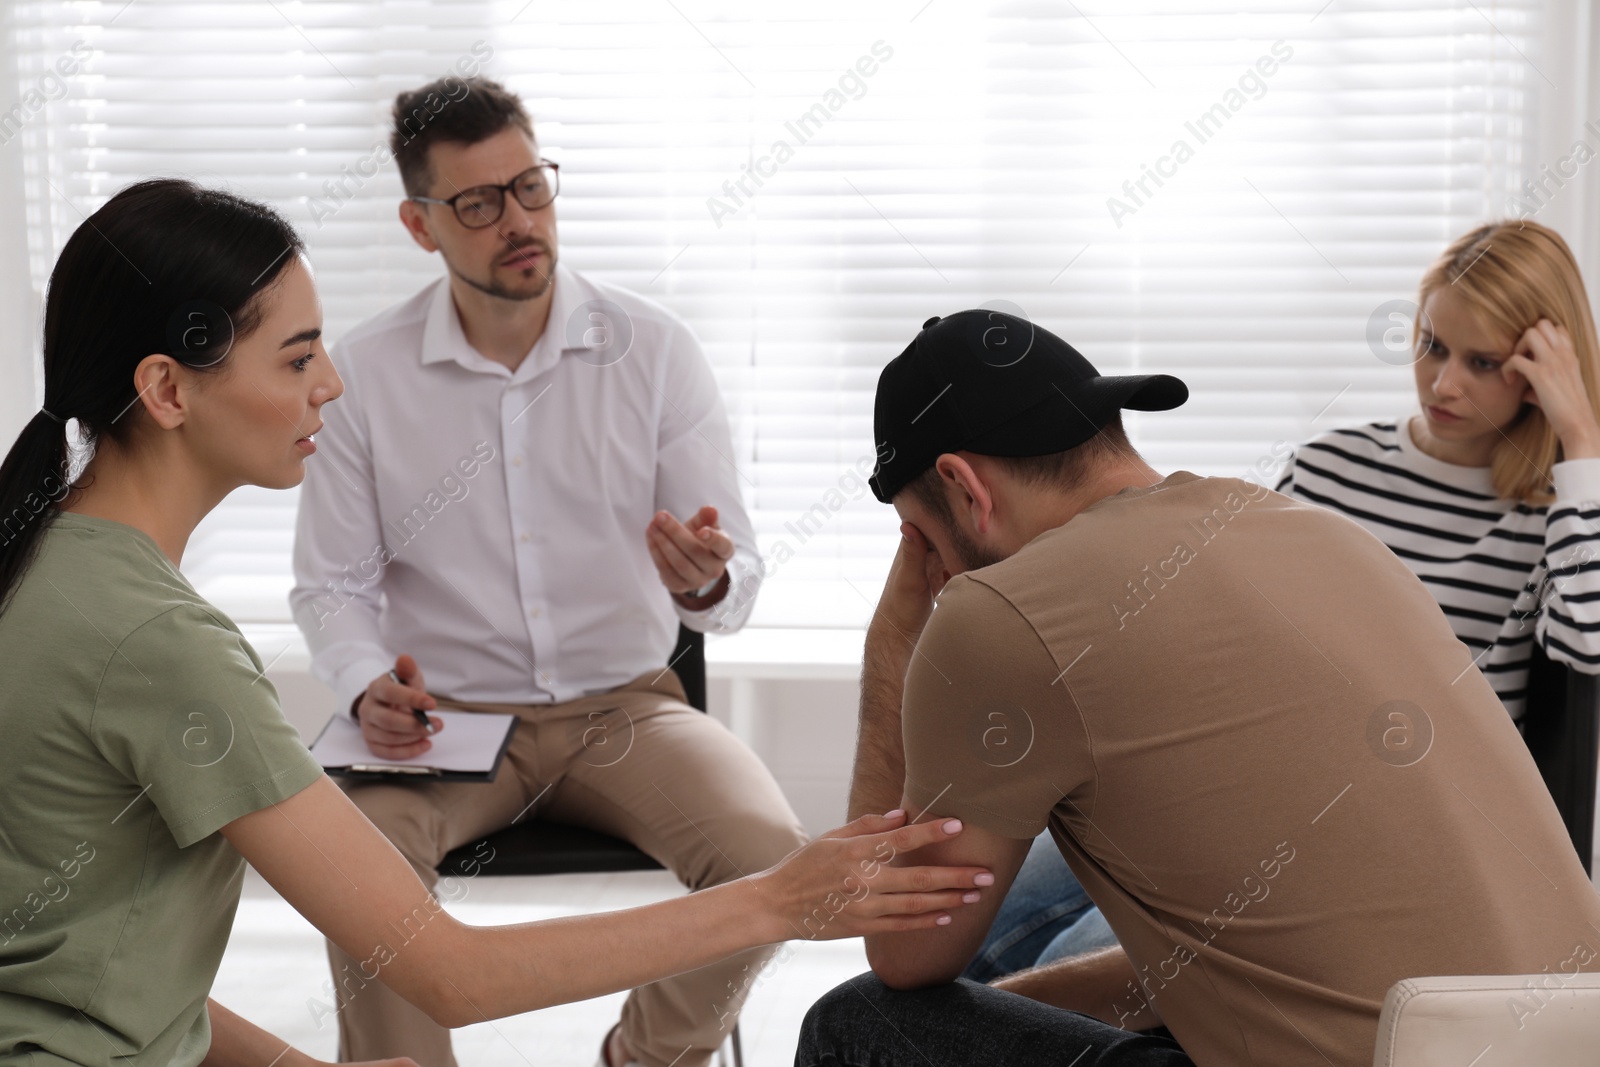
<point>1504,573</point>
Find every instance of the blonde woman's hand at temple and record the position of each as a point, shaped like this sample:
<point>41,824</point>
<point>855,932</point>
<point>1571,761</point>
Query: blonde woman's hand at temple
<point>1544,355</point>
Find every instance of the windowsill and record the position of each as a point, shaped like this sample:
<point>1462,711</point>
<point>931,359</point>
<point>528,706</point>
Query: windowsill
<point>765,652</point>
<point>753,653</point>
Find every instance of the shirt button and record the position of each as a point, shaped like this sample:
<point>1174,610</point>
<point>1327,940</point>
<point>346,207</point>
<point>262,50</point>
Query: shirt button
<point>525,538</point>
<point>534,612</point>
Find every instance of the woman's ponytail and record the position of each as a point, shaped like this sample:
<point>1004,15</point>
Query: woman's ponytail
<point>33,482</point>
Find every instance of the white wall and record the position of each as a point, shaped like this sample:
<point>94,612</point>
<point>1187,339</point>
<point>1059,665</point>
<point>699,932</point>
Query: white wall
<point>805,731</point>
<point>18,303</point>
<point>1568,77</point>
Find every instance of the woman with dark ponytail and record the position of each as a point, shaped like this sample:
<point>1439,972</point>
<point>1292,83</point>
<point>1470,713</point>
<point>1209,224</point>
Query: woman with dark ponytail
<point>143,755</point>
<point>165,347</point>
<point>146,275</point>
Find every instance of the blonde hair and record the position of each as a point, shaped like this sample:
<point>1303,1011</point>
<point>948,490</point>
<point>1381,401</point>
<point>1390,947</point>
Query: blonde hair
<point>1514,273</point>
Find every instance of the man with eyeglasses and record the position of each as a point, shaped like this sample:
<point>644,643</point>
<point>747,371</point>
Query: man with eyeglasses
<point>525,489</point>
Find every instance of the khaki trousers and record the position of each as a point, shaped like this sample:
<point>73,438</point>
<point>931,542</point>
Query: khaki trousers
<point>638,763</point>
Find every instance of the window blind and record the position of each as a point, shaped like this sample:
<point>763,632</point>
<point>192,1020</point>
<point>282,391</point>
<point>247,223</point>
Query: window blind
<point>1232,193</point>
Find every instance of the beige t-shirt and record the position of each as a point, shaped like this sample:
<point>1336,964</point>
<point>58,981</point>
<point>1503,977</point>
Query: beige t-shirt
<point>1264,754</point>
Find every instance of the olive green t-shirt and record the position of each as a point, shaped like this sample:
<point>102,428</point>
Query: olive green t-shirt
<point>1264,754</point>
<point>135,721</point>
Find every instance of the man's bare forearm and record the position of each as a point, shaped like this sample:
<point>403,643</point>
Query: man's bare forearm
<point>879,775</point>
<point>1101,984</point>
<point>879,778</point>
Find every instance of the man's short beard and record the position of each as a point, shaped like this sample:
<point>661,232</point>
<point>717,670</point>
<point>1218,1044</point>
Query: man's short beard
<point>968,552</point>
<point>494,288</point>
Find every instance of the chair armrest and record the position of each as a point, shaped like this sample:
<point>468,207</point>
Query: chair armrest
<point>1550,1019</point>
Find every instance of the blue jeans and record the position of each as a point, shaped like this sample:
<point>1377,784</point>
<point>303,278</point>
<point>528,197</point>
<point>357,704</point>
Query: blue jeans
<point>1046,916</point>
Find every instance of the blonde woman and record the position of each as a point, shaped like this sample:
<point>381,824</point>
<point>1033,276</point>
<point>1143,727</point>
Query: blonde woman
<point>1491,494</point>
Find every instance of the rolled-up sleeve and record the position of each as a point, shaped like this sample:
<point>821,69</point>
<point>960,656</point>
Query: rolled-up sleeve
<point>696,466</point>
<point>1569,624</point>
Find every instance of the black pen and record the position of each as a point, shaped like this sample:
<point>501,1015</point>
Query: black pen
<point>422,716</point>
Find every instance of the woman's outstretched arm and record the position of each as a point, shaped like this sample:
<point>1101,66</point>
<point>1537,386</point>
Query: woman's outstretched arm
<point>323,855</point>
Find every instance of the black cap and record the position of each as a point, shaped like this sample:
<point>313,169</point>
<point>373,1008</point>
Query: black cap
<point>993,383</point>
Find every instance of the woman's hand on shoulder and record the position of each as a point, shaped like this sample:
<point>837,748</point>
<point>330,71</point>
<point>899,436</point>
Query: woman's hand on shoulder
<point>845,884</point>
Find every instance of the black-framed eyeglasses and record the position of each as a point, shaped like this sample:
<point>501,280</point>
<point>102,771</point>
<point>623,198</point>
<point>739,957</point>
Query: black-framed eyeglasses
<point>482,205</point>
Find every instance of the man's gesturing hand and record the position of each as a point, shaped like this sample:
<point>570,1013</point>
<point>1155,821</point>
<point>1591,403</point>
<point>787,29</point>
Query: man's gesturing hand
<point>688,556</point>
<point>384,711</point>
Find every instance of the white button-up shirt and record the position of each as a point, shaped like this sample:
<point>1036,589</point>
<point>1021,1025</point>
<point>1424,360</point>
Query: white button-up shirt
<point>491,523</point>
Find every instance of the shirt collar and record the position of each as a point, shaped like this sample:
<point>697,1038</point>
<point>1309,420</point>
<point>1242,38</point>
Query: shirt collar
<point>443,339</point>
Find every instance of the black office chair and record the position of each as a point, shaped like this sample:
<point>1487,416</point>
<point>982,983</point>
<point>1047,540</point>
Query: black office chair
<point>541,847</point>
<point>1559,725</point>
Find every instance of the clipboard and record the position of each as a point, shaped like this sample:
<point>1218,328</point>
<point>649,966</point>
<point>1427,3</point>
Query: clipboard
<point>470,748</point>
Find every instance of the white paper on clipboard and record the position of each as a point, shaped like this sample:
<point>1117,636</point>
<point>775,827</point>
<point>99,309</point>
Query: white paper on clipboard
<point>469,743</point>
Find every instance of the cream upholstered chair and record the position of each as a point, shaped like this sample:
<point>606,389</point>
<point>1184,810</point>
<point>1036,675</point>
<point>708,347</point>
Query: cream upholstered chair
<point>1518,1020</point>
